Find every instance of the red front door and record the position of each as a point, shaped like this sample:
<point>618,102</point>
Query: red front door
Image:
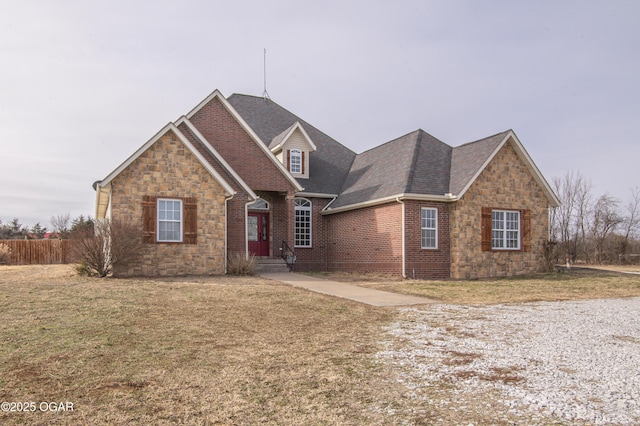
<point>258,235</point>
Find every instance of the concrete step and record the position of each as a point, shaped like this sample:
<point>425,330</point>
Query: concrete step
<point>268,265</point>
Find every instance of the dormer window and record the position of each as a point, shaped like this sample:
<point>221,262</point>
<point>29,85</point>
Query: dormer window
<point>293,148</point>
<point>295,161</point>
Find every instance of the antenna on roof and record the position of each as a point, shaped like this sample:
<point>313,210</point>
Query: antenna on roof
<point>265,94</point>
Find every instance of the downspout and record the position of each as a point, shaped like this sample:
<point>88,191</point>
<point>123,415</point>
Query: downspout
<point>226,230</point>
<point>246,229</point>
<point>404,267</point>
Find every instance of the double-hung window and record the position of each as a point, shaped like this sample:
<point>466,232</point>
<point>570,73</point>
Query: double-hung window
<point>302,231</point>
<point>505,230</point>
<point>169,220</point>
<point>429,225</point>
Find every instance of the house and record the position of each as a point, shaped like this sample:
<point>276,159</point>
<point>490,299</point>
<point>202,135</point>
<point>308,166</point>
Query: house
<point>244,175</point>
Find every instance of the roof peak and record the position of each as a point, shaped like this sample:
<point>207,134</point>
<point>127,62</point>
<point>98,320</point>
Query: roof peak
<point>505,132</point>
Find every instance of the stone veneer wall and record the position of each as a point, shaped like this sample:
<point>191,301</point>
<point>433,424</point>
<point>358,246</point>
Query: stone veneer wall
<point>168,169</point>
<point>506,183</point>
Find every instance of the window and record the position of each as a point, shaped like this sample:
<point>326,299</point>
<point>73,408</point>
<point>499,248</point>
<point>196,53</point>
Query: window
<point>429,228</point>
<point>260,204</point>
<point>302,231</point>
<point>295,161</point>
<point>169,220</point>
<point>505,230</point>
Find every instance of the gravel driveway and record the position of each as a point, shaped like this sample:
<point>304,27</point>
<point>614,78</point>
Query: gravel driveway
<point>567,362</point>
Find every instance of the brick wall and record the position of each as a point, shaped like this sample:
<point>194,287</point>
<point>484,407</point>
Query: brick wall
<point>506,183</point>
<point>236,229</point>
<point>365,240</point>
<point>315,257</point>
<point>235,145</point>
<point>168,169</point>
<point>426,263</point>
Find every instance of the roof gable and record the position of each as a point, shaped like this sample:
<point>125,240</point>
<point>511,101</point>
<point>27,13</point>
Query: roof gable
<point>168,128</point>
<point>328,165</point>
<point>212,155</point>
<point>280,140</point>
<point>468,161</point>
<point>102,195</point>
<point>217,96</point>
<point>471,159</point>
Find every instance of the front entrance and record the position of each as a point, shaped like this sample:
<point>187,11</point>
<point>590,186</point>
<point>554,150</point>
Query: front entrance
<point>258,235</point>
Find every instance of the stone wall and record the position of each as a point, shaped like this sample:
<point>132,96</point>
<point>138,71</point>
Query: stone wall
<point>506,183</point>
<point>168,169</point>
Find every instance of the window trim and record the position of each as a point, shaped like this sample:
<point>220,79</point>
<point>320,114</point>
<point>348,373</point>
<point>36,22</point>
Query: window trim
<point>180,221</point>
<point>523,230</point>
<point>424,228</point>
<point>304,208</point>
<point>296,153</point>
<point>259,204</point>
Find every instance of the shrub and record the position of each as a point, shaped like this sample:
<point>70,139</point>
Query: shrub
<point>107,244</point>
<point>238,264</point>
<point>5,254</point>
<point>83,269</point>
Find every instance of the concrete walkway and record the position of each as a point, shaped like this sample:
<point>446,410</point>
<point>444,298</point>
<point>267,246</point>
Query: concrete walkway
<point>347,291</point>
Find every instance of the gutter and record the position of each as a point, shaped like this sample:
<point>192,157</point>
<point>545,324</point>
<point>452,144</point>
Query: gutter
<point>226,231</point>
<point>446,198</point>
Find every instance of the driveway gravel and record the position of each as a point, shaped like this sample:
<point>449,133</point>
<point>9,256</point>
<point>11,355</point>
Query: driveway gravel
<point>572,362</point>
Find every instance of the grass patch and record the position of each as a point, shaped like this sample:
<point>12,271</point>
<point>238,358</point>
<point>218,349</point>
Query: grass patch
<point>235,350</point>
<point>223,350</point>
<point>579,284</point>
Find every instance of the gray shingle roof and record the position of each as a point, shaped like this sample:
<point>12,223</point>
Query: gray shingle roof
<point>467,160</point>
<point>414,163</point>
<point>328,165</point>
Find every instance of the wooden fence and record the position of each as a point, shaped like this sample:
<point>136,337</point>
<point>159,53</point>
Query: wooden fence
<point>39,252</point>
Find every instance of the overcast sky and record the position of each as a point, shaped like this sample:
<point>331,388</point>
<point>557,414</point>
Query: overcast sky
<point>83,84</point>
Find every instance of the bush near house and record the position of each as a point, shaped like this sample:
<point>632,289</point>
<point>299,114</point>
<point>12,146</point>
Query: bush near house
<point>107,244</point>
<point>239,264</point>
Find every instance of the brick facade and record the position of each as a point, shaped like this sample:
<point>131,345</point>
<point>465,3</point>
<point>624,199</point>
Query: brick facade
<point>505,183</point>
<point>238,149</point>
<point>368,239</point>
<point>168,169</point>
<point>426,263</point>
<point>365,240</point>
<point>315,257</point>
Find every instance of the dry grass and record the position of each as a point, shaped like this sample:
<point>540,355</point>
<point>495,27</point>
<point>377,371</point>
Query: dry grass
<point>579,284</point>
<point>188,351</point>
<point>231,350</point>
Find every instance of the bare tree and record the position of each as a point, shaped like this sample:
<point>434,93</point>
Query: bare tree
<point>605,218</point>
<point>583,208</point>
<point>631,223</point>
<point>562,217</point>
<point>569,220</point>
<point>60,224</point>
<point>105,245</point>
